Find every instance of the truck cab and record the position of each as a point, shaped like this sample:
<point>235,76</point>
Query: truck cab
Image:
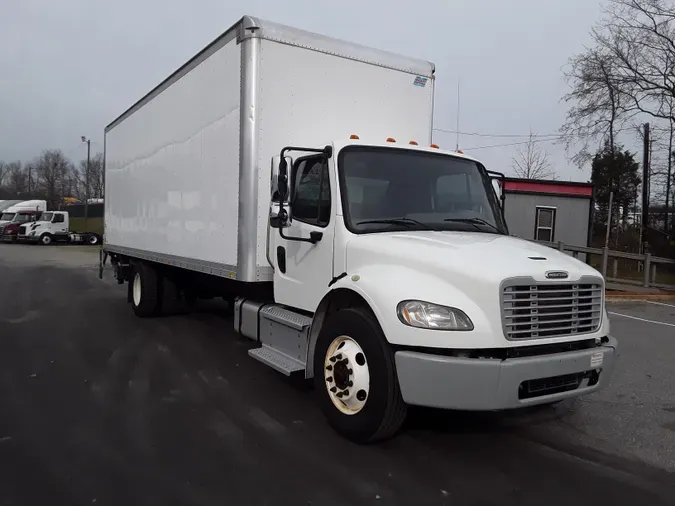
<point>402,256</point>
<point>51,227</point>
<point>11,221</point>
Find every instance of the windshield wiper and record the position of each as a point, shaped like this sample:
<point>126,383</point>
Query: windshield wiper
<point>475,222</point>
<point>408,222</point>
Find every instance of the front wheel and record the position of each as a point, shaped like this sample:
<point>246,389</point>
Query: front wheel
<point>46,239</point>
<point>355,376</point>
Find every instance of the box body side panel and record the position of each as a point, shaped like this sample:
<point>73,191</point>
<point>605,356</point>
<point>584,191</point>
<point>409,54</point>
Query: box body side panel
<point>172,167</point>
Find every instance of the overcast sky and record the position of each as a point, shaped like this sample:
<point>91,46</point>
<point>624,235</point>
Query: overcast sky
<point>68,67</point>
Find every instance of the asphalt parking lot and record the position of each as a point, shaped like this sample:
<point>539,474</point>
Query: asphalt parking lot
<point>99,407</point>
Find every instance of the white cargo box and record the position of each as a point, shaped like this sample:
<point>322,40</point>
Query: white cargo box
<point>187,168</point>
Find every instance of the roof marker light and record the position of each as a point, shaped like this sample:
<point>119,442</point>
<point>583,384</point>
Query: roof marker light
<point>460,151</point>
<point>414,143</point>
<point>353,136</point>
<point>391,139</point>
<point>435,146</point>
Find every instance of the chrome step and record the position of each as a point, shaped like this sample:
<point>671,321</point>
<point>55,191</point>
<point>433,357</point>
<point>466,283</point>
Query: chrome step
<point>276,360</point>
<point>286,317</point>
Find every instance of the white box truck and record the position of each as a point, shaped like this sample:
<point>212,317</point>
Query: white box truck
<point>294,175</point>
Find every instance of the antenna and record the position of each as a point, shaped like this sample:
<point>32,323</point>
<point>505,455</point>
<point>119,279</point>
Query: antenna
<point>457,119</point>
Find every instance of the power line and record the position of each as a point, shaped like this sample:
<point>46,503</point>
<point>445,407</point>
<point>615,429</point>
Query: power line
<point>557,136</point>
<point>508,144</point>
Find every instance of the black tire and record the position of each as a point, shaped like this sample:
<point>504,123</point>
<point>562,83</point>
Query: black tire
<point>148,302</point>
<point>384,411</point>
<point>46,239</point>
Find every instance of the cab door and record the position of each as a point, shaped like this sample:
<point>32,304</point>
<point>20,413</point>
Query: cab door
<point>59,224</point>
<point>302,252</point>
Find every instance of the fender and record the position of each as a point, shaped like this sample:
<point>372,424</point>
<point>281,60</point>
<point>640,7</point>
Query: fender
<point>381,287</point>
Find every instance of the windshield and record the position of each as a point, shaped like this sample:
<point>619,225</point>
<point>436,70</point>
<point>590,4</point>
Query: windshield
<point>7,217</point>
<point>385,189</point>
<point>46,217</point>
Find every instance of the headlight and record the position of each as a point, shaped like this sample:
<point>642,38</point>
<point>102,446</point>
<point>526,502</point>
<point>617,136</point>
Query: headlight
<point>32,233</point>
<point>426,315</point>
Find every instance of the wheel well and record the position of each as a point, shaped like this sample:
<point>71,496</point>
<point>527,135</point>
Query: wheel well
<point>340,298</point>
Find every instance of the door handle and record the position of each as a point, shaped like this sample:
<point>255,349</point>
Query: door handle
<point>281,258</point>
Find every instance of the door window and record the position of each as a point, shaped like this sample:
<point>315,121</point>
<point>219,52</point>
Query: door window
<point>58,218</point>
<point>310,199</point>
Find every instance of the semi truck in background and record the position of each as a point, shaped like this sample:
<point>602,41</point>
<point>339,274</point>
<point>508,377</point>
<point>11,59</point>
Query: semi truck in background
<point>295,176</point>
<point>67,225</point>
<point>53,227</point>
<point>18,213</point>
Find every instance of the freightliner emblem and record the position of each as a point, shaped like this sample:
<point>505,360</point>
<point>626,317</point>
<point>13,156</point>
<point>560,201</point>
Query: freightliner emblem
<point>557,275</point>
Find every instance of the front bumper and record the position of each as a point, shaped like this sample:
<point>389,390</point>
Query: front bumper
<point>492,384</point>
<point>8,238</point>
<point>29,238</point>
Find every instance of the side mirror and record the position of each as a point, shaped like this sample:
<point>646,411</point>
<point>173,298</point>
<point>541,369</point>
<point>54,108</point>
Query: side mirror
<point>500,187</point>
<point>279,178</point>
<point>279,217</point>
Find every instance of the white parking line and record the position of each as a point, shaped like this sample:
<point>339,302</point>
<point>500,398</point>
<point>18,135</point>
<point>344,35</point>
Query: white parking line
<point>660,303</point>
<point>642,319</point>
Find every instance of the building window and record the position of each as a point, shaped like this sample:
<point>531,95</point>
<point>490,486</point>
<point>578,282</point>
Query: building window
<point>545,224</point>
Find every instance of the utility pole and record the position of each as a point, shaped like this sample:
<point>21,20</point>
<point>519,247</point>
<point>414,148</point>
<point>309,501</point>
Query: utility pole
<point>30,173</point>
<point>645,185</point>
<point>609,218</point>
<point>86,183</point>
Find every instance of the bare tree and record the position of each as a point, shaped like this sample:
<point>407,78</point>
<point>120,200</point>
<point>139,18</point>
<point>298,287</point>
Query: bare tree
<point>532,162</point>
<point>16,178</point>
<point>96,173</point>
<point>52,171</point>
<point>598,108</point>
<point>639,36</point>
<point>3,173</point>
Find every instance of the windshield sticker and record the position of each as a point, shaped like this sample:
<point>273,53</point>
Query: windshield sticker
<point>420,81</point>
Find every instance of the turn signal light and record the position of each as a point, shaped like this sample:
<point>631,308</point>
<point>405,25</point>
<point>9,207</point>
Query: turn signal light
<point>414,143</point>
<point>435,146</point>
<point>353,136</point>
<point>460,151</point>
<point>391,139</point>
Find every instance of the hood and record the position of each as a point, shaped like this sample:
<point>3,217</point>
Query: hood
<point>468,255</point>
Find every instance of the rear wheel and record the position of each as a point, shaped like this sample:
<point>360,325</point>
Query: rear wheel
<point>93,240</point>
<point>145,291</point>
<point>355,377</point>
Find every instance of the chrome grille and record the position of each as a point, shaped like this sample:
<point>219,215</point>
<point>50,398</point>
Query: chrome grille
<point>2,230</point>
<point>22,230</point>
<point>538,311</point>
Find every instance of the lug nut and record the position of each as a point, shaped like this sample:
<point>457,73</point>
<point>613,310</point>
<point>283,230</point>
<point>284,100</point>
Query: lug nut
<point>345,393</point>
<point>329,379</point>
<point>329,368</point>
<point>339,394</point>
<point>349,383</point>
<point>333,389</point>
<point>350,371</point>
<point>333,359</point>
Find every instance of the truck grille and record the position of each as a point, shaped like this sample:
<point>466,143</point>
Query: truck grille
<point>538,311</point>
<point>2,230</point>
<point>22,230</point>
